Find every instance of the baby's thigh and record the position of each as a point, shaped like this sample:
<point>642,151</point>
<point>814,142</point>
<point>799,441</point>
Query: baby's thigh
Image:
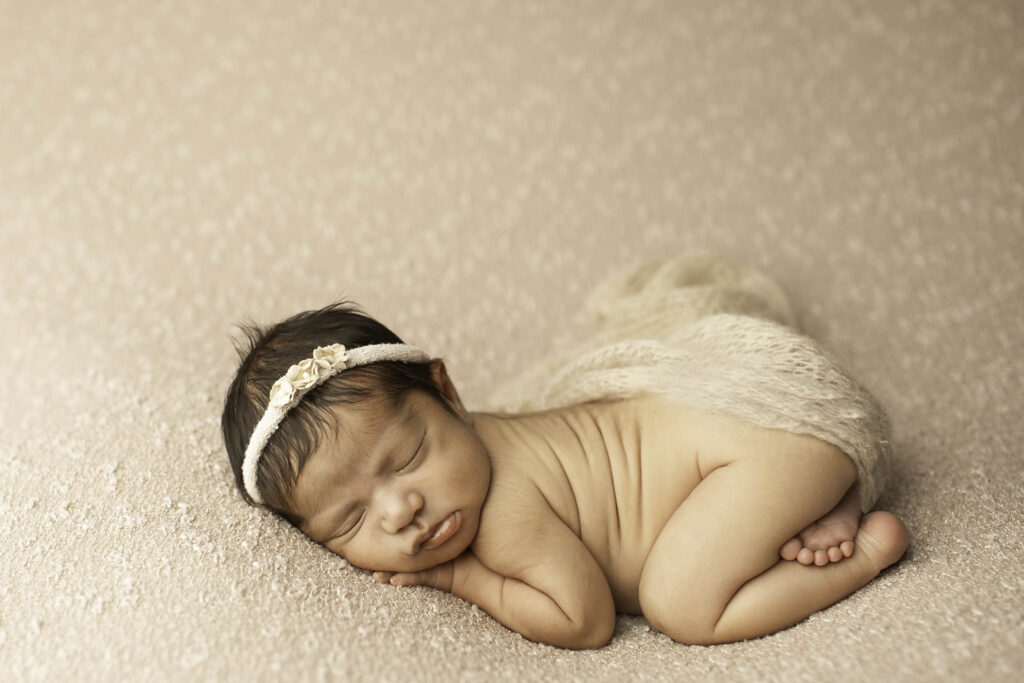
<point>729,530</point>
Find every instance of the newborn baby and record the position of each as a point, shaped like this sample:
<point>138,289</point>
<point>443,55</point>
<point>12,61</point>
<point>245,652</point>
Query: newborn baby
<point>714,529</point>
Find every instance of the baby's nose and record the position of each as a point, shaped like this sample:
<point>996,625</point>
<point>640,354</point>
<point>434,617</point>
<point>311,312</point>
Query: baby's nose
<point>400,510</point>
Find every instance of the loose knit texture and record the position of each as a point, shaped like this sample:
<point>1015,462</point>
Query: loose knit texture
<point>718,337</point>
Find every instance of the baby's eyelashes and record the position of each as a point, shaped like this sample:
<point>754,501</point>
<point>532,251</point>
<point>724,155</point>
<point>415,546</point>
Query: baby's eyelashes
<point>408,463</point>
<point>350,528</point>
<point>413,458</point>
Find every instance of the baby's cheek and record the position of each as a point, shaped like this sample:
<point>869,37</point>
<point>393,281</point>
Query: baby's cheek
<point>334,549</point>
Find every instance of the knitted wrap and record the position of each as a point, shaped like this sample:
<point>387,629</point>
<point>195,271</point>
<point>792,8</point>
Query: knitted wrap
<point>710,335</point>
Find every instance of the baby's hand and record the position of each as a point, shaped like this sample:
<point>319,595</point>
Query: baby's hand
<point>439,577</point>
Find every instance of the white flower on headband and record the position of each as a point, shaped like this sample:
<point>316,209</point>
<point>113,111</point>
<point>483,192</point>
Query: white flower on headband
<point>333,356</point>
<point>282,393</point>
<point>299,378</point>
<point>303,376</point>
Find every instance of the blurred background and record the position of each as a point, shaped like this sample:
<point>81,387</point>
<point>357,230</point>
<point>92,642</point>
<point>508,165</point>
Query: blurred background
<point>468,172</point>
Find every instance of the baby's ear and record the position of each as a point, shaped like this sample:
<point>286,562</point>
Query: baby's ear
<point>443,382</point>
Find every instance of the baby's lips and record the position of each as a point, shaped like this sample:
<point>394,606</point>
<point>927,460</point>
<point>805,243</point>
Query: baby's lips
<point>448,527</point>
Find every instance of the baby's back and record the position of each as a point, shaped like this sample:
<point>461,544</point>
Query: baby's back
<point>628,464</point>
<point>615,472</point>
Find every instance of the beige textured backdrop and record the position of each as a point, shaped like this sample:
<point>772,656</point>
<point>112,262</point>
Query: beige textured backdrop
<point>468,171</point>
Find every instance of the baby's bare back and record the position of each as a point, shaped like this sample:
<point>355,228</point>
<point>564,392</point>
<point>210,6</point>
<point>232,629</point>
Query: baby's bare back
<point>614,473</point>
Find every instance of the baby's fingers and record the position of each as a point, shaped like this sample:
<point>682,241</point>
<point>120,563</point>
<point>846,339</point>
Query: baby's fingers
<point>436,577</point>
<point>410,579</point>
<point>383,577</point>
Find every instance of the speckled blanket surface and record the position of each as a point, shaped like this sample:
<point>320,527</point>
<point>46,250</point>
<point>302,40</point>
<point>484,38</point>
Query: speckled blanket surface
<point>468,172</point>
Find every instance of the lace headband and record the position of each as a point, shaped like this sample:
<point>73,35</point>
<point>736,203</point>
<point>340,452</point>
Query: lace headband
<point>286,393</point>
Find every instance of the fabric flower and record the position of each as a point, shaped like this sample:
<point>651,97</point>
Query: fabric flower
<point>282,393</point>
<point>304,375</point>
<point>333,356</point>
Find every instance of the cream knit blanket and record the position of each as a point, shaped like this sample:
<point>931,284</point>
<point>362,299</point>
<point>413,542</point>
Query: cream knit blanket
<point>718,337</point>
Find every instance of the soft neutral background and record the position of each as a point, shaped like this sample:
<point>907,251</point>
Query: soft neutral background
<point>468,171</point>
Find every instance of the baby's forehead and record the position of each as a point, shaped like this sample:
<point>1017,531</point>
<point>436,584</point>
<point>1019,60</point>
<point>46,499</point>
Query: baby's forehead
<point>359,427</point>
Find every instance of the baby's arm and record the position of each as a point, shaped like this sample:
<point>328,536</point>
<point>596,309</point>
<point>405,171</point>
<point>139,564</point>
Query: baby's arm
<point>540,580</point>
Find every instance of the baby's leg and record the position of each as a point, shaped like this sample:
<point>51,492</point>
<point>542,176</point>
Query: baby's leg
<point>714,573</point>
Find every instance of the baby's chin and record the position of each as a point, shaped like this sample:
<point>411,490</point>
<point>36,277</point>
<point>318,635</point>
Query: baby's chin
<point>438,556</point>
<point>426,560</point>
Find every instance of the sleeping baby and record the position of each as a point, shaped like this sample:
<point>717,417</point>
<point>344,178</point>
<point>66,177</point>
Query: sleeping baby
<point>711,520</point>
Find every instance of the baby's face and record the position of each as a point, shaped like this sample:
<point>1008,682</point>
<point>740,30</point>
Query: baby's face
<point>396,489</point>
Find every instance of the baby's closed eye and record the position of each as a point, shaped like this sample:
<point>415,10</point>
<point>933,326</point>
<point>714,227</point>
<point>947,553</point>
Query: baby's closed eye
<point>349,527</point>
<point>408,465</point>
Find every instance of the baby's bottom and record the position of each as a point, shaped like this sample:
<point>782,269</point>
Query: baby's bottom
<point>714,574</point>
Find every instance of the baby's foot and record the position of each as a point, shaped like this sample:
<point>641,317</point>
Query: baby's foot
<point>882,538</point>
<point>829,539</point>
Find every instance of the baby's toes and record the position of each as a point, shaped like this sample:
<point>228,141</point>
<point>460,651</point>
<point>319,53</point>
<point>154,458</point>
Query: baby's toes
<point>820,558</point>
<point>805,556</point>
<point>846,547</point>
<point>790,549</point>
<point>834,554</point>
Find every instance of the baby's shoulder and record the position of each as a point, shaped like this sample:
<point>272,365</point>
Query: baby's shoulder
<point>512,497</point>
<point>513,514</point>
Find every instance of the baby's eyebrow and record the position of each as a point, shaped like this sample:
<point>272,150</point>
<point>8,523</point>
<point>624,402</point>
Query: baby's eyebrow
<point>404,411</point>
<point>380,429</point>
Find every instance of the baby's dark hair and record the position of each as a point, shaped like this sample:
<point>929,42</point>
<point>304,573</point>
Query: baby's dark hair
<point>266,358</point>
